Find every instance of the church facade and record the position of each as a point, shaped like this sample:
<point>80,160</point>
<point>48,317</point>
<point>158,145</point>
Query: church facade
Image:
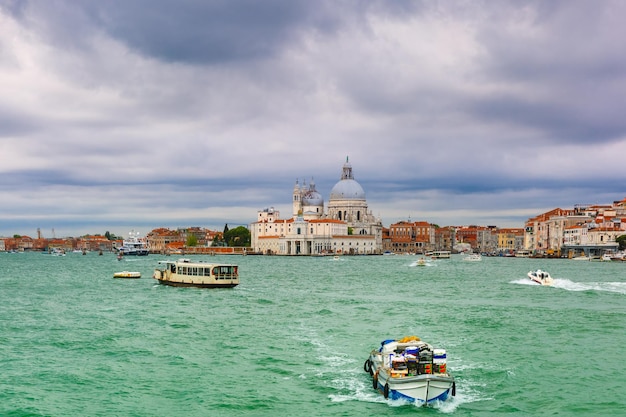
<point>346,227</point>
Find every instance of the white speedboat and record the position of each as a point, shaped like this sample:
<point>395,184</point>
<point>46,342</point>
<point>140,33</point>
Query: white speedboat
<point>419,262</point>
<point>541,277</point>
<point>411,370</point>
<point>127,274</point>
<point>184,273</point>
<point>473,257</point>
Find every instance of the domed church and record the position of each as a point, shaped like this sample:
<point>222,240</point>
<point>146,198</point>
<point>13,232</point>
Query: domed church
<point>348,227</point>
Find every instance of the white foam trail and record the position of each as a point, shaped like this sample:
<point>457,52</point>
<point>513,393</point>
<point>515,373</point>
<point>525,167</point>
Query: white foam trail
<point>568,285</point>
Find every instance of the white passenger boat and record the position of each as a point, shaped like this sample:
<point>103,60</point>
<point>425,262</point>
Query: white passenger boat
<point>441,254</point>
<point>541,277</point>
<point>185,273</point>
<point>127,274</point>
<point>412,370</point>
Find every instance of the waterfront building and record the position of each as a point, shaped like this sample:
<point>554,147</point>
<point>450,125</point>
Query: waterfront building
<point>510,239</point>
<point>347,227</point>
<point>409,237</point>
<point>587,229</point>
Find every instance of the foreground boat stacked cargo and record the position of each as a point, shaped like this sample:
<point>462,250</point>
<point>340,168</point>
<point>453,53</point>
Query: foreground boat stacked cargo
<point>184,273</point>
<point>412,370</point>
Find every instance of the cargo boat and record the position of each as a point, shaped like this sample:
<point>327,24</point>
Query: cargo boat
<point>412,370</point>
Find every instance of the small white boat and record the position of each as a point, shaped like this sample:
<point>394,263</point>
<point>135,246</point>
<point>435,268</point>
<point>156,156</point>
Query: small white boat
<point>127,274</point>
<point>606,257</point>
<point>473,257</point>
<point>441,254</point>
<point>410,369</point>
<point>184,273</point>
<point>419,262</point>
<point>541,277</point>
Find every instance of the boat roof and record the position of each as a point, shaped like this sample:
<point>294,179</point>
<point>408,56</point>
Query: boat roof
<point>187,261</point>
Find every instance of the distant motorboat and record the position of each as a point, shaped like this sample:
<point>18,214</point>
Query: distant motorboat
<point>419,262</point>
<point>474,257</point>
<point>541,277</point>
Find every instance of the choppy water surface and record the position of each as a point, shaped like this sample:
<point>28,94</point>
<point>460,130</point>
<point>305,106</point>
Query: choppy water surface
<point>291,339</point>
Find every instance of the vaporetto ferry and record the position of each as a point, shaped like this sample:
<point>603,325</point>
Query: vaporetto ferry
<point>185,273</point>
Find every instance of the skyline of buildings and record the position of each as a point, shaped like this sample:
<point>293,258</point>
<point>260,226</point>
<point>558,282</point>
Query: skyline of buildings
<point>346,225</point>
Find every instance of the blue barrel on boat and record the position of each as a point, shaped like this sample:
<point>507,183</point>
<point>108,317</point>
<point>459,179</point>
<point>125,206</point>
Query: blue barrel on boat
<point>412,350</point>
<point>439,356</point>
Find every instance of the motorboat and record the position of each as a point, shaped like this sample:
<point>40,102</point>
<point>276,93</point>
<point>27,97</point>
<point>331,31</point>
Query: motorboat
<point>185,273</point>
<point>541,277</point>
<point>473,257</point>
<point>127,274</point>
<point>441,254</point>
<point>133,245</point>
<point>419,262</point>
<point>411,370</point>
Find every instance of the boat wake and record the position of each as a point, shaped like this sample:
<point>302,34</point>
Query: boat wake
<point>416,263</point>
<point>568,285</point>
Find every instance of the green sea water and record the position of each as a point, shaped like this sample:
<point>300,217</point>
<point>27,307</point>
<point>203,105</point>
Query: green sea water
<point>291,339</point>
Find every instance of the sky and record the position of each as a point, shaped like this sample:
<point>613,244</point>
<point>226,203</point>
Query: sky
<point>124,115</point>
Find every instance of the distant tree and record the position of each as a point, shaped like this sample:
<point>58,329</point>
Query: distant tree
<point>107,235</point>
<point>192,240</point>
<point>16,236</point>
<point>225,229</point>
<point>622,242</point>
<point>239,236</point>
<point>218,240</point>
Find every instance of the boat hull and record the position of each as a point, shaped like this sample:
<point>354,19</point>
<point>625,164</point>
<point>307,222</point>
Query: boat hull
<point>422,389</point>
<point>190,284</point>
<point>546,280</point>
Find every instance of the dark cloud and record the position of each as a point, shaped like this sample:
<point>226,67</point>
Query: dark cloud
<point>186,112</point>
<point>209,32</point>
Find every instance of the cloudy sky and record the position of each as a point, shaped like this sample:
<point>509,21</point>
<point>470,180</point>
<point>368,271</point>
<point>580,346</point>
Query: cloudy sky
<point>136,114</point>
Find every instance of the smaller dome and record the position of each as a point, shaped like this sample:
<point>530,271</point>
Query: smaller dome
<point>312,198</point>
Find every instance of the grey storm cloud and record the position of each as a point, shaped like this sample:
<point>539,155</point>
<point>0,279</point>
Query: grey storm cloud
<point>203,112</point>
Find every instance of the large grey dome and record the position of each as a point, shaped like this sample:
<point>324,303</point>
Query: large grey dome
<point>347,189</point>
